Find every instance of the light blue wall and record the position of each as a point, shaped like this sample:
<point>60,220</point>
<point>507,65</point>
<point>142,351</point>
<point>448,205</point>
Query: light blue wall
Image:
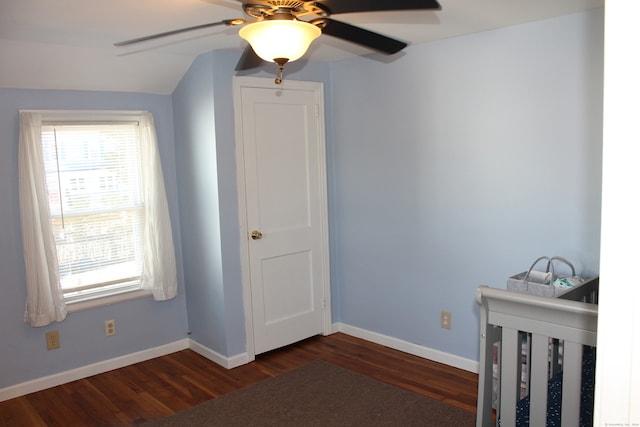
<point>452,166</point>
<point>141,324</point>
<point>194,122</point>
<point>459,164</point>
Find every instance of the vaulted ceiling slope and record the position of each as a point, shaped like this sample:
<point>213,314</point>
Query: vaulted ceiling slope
<point>68,44</point>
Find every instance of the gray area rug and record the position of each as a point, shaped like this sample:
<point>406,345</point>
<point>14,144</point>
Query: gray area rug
<point>320,394</point>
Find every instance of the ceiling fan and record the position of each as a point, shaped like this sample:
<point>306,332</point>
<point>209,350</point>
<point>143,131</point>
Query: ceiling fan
<point>276,32</point>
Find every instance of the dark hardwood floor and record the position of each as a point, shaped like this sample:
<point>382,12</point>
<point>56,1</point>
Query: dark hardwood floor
<point>159,387</point>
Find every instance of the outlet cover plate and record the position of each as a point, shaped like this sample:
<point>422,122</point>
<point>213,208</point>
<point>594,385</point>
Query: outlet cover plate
<point>110,328</point>
<point>53,340</point>
<point>445,319</point>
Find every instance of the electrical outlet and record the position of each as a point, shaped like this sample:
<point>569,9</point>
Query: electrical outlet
<point>445,319</point>
<point>110,328</point>
<point>53,340</point>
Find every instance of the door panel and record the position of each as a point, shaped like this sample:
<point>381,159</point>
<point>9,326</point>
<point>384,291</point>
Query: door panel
<point>282,162</point>
<point>281,300</point>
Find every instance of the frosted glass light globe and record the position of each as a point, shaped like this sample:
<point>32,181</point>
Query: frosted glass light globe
<point>278,38</point>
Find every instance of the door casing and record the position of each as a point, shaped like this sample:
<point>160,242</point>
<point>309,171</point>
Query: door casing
<point>318,89</point>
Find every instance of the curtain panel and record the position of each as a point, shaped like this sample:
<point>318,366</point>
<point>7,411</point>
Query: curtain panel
<point>45,301</point>
<point>159,265</point>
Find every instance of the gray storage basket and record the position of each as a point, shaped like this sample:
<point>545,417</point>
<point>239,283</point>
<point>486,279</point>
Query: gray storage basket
<point>522,282</point>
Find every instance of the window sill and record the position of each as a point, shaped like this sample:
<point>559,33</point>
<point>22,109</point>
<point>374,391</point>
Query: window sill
<point>101,301</point>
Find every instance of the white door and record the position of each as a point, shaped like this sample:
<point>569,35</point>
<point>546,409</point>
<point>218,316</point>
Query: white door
<point>283,210</point>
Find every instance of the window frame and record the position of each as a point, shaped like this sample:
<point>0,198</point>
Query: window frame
<point>98,296</point>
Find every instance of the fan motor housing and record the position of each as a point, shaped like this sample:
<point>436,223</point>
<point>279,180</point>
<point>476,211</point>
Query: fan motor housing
<point>268,8</point>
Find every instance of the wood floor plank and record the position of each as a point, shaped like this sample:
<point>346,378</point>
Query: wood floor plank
<point>19,411</point>
<point>159,387</point>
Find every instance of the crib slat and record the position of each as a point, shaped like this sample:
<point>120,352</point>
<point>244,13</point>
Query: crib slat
<point>539,380</point>
<point>571,376</point>
<point>485,376</point>
<point>509,380</point>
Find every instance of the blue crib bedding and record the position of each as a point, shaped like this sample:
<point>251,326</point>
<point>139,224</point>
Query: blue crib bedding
<point>554,397</point>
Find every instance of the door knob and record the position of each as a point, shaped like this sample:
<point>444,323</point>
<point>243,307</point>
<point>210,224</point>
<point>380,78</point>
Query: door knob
<point>256,235</point>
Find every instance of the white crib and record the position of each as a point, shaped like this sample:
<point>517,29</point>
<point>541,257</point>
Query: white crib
<point>531,345</point>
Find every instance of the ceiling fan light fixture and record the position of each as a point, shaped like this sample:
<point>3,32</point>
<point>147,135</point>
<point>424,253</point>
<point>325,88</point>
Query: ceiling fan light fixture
<point>288,39</point>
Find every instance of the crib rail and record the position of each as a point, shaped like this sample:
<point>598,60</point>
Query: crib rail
<point>505,317</point>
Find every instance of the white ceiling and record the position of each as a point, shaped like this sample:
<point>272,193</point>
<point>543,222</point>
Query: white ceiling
<point>68,44</point>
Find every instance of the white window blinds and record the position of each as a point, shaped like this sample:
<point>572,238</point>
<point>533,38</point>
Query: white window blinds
<point>96,205</point>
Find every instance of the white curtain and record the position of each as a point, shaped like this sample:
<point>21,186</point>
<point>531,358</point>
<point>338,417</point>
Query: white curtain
<point>45,301</point>
<point>159,265</point>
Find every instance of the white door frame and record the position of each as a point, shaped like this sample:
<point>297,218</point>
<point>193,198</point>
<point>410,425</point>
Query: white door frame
<point>318,88</point>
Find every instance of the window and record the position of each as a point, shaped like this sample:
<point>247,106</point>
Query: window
<point>97,225</point>
<point>105,234</point>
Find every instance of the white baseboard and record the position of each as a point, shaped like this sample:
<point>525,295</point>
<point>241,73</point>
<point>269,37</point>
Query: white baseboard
<point>38,384</point>
<point>411,348</point>
<point>224,361</point>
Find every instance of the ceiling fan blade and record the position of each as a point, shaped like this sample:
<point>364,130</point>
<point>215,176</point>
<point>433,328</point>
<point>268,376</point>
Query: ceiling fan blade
<point>248,60</point>
<point>348,6</point>
<point>227,22</point>
<point>362,37</point>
